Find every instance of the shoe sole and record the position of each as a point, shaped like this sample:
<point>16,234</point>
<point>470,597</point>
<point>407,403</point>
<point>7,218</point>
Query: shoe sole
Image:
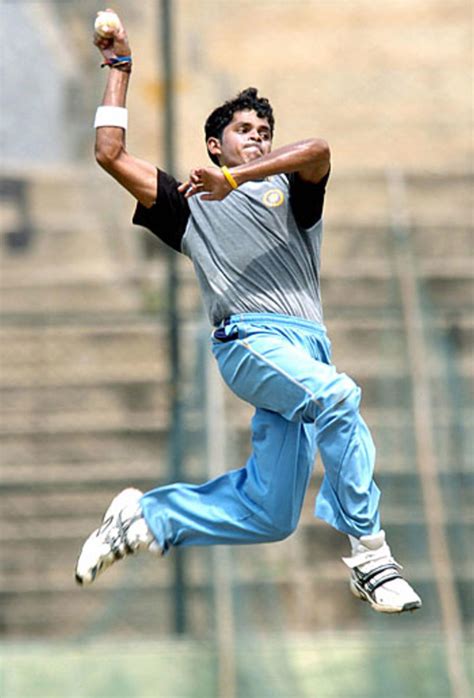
<point>363,596</point>
<point>114,506</point>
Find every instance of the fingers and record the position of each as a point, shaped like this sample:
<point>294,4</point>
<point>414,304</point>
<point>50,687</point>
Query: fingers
<point>101,43</point>
<point>193,190</point>
<point>189,188</point>
<point>203,181</point>
<point>193,185</point>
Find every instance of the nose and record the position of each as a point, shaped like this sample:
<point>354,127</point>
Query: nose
<point>255,135</point>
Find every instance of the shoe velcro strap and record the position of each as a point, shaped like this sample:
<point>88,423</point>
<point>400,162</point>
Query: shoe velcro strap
<point>364,578</point>
<point>370,587</point>
<point>370,556</point>
<point>375,578</point>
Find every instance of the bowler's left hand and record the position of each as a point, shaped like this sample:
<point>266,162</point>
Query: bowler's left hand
<point>209,180</point>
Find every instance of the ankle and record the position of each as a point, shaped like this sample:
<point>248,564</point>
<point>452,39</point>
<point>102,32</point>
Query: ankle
<point>373,541</point>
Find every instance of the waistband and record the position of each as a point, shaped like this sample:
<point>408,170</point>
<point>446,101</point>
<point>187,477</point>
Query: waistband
<point>275,319</point>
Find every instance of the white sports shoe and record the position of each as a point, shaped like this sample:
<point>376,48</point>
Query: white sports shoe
<point>123,531</point>
<point>376,576</point>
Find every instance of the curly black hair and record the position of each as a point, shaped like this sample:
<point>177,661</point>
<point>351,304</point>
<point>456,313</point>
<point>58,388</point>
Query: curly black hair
<point>223,115</point>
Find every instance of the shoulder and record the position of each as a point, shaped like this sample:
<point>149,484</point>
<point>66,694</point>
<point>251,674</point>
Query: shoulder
<point>307,199</point>
<point>169,215</point>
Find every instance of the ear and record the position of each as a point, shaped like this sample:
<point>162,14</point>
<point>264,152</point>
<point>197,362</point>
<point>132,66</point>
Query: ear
<point>214,146</point>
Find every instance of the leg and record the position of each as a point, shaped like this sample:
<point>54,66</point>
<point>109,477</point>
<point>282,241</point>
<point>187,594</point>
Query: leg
<point>349,498</point>
<point>271,372</point>
<point>267,371</point>
<point>258,503</point>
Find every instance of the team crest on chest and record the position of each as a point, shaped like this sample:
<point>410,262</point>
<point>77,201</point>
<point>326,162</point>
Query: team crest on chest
<point>273,197</point>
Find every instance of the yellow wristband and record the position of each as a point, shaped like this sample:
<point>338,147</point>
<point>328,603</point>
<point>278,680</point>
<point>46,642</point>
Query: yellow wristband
<point>229,177</point>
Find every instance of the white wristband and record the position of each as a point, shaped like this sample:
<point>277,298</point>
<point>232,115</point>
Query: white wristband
<point>111,116</point>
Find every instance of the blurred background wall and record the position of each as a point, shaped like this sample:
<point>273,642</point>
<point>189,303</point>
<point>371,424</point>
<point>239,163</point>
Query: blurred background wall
<point>88,402</point>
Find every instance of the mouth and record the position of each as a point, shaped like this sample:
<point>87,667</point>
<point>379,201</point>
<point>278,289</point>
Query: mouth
<point>252,152</point>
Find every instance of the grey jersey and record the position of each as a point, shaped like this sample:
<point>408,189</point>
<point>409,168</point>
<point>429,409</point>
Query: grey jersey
<point>250,256</point>
<point>249,252</point>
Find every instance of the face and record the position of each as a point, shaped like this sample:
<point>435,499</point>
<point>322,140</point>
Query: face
<point>246,138</point>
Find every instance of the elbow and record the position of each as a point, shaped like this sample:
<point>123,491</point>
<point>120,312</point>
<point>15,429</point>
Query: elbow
<point>319,151</point>
<point>314,160</point>
<point>107,155</point>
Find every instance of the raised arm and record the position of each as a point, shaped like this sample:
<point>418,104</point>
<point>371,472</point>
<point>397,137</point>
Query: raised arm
<point>309,158</point>
<point>137,176</point>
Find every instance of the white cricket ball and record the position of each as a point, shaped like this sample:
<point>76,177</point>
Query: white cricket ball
<point>106,23</point>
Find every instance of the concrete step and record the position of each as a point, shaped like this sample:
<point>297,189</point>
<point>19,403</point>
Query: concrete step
<point>371,252</point>
<point>443,242</point>
<point>430,199</point>
<point>81,354</point>
<point>79,241</point>
<point>374,294</point>
<point>72,215</point>
<point>439,201</point>
<point>45,374</point>
<point>82,422</point>
<point>80,476</point>
<point>63,406</point>
<point>87,446</point>
<point>85,296</point>
<point>75,354</point>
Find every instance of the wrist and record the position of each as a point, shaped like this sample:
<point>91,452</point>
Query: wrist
<point>229,177</point>
<point>121,63</point>
<point>239,174</point>
<point>115,94</point>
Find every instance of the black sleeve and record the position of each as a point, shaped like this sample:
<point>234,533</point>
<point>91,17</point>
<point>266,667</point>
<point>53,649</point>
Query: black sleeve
<point>168,217</point>
<point>307,200</point>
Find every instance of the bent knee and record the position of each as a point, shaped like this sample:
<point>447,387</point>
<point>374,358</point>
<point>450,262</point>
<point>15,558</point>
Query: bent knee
<point>278,533</point>
<point>343,393</point>
<point>339,393</point>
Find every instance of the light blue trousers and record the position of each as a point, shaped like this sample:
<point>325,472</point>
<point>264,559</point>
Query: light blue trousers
<point>281,365</point>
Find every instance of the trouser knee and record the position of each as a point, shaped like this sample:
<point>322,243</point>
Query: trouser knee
<point>273,526</point>
<point>349,398</point>
<point>339,396</point>
<point>279,532</point>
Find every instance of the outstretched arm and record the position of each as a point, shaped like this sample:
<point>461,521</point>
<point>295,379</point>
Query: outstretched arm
<point>309,158</point>
<point>137,176</point>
